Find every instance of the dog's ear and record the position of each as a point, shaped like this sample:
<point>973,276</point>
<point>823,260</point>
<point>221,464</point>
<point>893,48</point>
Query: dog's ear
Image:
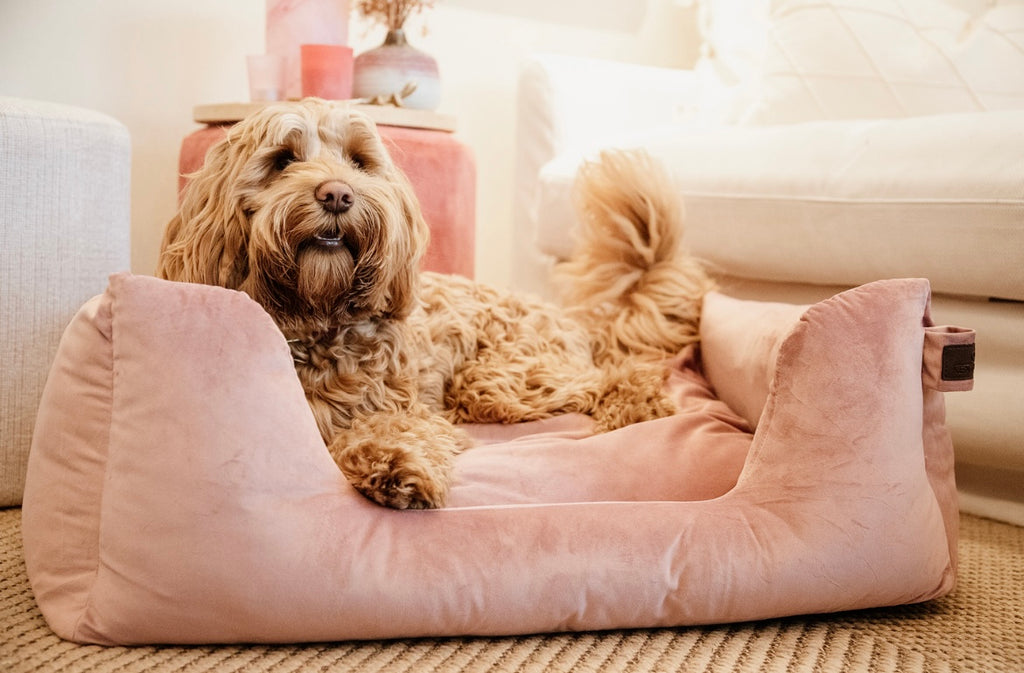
<point>404,285</point>
<point>206,241</point>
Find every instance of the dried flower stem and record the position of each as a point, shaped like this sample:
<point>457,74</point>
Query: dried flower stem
<point>392,13</point>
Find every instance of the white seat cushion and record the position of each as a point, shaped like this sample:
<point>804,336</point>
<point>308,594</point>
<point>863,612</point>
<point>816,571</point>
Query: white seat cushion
<point>839,202</point>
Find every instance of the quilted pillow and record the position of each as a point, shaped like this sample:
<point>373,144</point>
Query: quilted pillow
<point>178,491</point>
<point>847,59</point>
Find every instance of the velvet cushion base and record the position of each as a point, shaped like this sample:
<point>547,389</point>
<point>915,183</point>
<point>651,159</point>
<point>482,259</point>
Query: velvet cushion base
<point>178,491</point>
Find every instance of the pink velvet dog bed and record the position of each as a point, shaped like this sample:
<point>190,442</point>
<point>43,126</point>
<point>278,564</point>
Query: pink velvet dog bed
<point>178,490</point>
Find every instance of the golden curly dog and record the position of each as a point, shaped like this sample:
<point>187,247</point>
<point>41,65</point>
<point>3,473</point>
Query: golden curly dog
<point>302,208</point>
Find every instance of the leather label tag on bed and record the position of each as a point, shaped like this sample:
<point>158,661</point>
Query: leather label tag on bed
<point>958,362</point>
<point>948,358</point>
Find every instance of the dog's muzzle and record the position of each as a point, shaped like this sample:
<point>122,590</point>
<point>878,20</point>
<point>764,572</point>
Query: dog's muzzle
<point>336,198</point>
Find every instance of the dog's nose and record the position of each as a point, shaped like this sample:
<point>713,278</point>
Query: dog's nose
<point>335,196</point>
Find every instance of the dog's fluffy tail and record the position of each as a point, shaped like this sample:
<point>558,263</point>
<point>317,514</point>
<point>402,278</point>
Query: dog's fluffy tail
<point>630,281</point>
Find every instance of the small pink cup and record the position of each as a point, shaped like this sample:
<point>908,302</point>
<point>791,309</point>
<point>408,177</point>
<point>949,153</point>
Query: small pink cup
<point>266,77</point>
<point>326,71</point>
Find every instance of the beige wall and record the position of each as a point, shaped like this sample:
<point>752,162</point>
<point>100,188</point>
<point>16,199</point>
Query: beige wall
<point>147,63</point>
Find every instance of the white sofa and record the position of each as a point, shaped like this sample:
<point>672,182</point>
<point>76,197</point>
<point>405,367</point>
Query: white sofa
<point>818,146</point>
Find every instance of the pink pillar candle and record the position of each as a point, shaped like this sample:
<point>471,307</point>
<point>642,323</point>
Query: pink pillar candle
<point>326,71</point>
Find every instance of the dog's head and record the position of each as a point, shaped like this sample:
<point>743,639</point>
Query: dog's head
<point>301,207</point>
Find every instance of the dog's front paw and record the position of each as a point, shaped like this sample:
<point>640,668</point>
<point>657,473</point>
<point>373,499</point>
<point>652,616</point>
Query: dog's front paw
<point>396,478</point>
<point>401,462</point>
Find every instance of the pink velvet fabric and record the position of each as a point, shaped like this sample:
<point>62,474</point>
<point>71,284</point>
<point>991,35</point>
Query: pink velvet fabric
<point>442,171</point>
<point>178,491</point>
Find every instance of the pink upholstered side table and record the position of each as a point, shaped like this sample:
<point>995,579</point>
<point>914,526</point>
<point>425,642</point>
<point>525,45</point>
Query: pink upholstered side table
<point>441,169</point>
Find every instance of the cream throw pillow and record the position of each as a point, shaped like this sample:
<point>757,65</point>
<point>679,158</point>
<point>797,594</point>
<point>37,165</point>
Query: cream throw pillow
<point>847,59</point>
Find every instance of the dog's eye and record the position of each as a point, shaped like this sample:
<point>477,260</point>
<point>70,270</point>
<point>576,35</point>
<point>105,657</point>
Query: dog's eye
<point>359,161</point>
<point>283,159</point>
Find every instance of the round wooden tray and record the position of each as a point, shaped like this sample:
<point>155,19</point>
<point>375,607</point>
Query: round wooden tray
<point>387,115</point>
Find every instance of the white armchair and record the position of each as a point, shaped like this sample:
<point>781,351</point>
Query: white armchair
<point>64,226</point>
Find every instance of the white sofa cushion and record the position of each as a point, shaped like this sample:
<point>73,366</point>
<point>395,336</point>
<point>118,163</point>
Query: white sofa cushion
<point>846,59</point>
<point>839,202</point>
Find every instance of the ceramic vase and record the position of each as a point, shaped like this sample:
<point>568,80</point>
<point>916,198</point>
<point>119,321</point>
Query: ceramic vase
<point>387,69</point>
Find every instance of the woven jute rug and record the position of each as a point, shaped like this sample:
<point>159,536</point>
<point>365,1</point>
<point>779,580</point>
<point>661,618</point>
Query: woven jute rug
<point>980,627</point>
